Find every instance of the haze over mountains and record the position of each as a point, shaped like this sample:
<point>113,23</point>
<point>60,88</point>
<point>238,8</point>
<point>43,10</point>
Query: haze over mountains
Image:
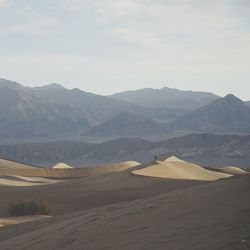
<point>167,98</point>
<point>207,149</point>
<point>226,115</point>
<point>125,125</point>
<point>53,112</point>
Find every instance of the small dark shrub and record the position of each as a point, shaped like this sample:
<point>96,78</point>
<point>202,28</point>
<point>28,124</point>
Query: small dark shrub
<point>24,207</point>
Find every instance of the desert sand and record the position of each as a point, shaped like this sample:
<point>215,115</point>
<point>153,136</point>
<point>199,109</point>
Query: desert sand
<point>175,168</point>
<point>232,170</point>
<point>114,209</point>
<point>6,164</point>
<point>19,181</point>
<point>61,166</point>
<point>172,214</point>
<point>18,220</point>
<point>9,168</point>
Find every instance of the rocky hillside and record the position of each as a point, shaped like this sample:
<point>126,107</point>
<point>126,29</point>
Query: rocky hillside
<point>225,115</point>
<point>203,148</point>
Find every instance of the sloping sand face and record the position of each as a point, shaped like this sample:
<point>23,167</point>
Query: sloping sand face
<point>19,181</point>
<point>10,168</point>
<point>5,164</point>
<point>62,166</point>
<point>211,216</point>
<point>175,168</point>
<point>232,170</point>
<point>125,165</point>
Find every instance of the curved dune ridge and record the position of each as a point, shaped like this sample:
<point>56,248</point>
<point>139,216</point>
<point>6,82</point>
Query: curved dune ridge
<point>20,181</point>
<point>11,168</point>
<point>232,170</point>
<point>62,166</point>
<point>175,168</point>
<point>126,164</point>
<point>6,164</point>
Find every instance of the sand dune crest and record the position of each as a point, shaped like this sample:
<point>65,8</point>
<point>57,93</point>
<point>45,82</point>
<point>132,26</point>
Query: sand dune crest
<point>6,164</point>
<point>11,168</point>
<point>20,181</point>
<point>173,159</point>
<point>175,168</point>
<point>61,166</point>
<point>233,170</point>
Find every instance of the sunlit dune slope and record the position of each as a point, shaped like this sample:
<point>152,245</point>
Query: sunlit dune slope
<point>19,181</point>
<point>9,168</point>
<point>6,164</point>
<point>61,166</point>
<point>175,168</point>
<point>19,220</point>
<point>232,170</point>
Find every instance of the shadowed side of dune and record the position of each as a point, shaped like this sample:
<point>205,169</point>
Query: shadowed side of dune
<point>211,216</point>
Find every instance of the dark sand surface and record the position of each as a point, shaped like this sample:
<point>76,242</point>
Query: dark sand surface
<point>88,192</point>
<point>123,211</point>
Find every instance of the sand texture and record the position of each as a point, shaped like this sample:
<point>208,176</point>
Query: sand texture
<point>120,210</point>
<point>8,168</point>
<point>19,181</point>
<point>214,215</point>
<point>233,170</point>
<point>175,168</point>
<point>6,164</point>
<point>61,166</point>
<point>22,219</point>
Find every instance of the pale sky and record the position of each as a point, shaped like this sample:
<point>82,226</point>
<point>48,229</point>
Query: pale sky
<point>107,46</point>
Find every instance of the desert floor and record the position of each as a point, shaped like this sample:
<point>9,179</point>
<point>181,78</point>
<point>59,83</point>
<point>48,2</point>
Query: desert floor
<point>121,210</point>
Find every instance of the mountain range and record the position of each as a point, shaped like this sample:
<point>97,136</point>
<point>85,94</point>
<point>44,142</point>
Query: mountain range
<point>228,115</point>
<point>224,115</point>
<point>125,125</point>
<point>205,149</point>
<point>53,112</point>
<point>167,98</point>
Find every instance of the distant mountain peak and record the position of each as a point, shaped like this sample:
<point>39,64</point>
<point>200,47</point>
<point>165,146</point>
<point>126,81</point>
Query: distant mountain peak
<point>225,115</point>
<point>8,83</point>
<point>167,98</point>
<point>231,97</point>
<point>53,86</point>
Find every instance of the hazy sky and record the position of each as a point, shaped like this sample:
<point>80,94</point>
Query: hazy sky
<point>106,46</point>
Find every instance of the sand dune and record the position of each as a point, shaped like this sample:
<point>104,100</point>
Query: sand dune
<point>207,216</point>
<point>19,181</point>
<point>32,179</point>
<point>22,219</point>
<point>9,168</point>
<point>62,166</point>
<point>175,168</point>
<point>124,211</point>
<point>232,170</point>
<point>6,164</point>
